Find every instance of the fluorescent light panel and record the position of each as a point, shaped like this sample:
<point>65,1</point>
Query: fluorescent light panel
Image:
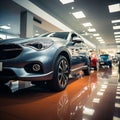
<point>116,33</point>
<point>114,8</point>
<point>66,1</point>
<point>2,36</point>
<point>96,34</point>
<point>115,21</point>
<point>91,29</point>
<point>117,36</point>
<point>117,39</point>
<point>102,42</point>
<point>98,38</point>
<point>5,27</point>
<point>116,27</point>
<point>87,24</point>
<point>78,14</point>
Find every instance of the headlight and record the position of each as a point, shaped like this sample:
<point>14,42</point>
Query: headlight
<point>39,45</point>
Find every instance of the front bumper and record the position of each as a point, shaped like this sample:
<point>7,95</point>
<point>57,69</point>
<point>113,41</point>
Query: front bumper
<point>21,74</point>
<point>19,67</point>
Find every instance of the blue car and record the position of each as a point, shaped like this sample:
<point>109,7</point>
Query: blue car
<point>50,58</point>
<point>105,61</point>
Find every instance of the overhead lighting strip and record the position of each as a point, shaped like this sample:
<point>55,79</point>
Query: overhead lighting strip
<point>87,24</point>
<point>116,33</point>
<point>98,38</point>
<point>78,14</point>
<point>91,29</point>
<point>96,34</point>
<point>6,27</point>
<point>115,21</point>
<point>116,27</point>
<point>114,8</point>
<point>66,1</point>
<point>117,36</point>
<point>117,39</point>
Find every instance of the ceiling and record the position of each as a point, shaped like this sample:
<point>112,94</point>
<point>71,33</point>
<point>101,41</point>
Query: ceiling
<point>96,12</point>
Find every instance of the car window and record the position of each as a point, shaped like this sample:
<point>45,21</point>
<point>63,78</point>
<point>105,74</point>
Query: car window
<point>45,35</point>
<point>104,57</point>
<point>62,35</point>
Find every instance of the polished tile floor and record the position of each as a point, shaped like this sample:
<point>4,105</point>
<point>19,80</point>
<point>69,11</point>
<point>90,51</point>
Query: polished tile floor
<point>94,97</point>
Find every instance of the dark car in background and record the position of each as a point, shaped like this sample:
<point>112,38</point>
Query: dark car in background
<point>50,58</point>
<point>105,60</point>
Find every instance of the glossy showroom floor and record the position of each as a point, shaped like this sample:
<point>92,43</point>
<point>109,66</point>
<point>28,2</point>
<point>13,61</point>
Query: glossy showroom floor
<point>94,97</point>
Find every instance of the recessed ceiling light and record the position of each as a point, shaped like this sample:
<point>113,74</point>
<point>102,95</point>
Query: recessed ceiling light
<point>116,27</point>
<point>72,8</point>
<point>78,14</point>
<point>102,42</point>
<point>96,34</point>
<point>91,29</point>
<point>116,33</point>
<point>87,24</point>
<point>98,38</point>
<point>115,21</point>
<point>114,8</point>
<point>66,1</point>
<point>117,36</point>
<point>5,27</point>
<point>2,36</point>
<point>117,39</point>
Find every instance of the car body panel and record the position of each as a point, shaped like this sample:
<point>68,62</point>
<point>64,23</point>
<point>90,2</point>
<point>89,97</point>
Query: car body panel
<point>19,66</point>
<point>105,60</point>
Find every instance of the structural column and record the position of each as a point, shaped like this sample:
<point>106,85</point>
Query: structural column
<point>26,25</point>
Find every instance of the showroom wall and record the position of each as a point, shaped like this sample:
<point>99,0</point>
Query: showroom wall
<point>10,18</point>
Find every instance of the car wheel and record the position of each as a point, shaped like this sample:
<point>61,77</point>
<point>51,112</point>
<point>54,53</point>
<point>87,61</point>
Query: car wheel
<point>110,66</point>
<point>60,75</point>
<point>87,71</point>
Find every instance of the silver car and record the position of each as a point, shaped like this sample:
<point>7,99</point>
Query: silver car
<point>50,58</point>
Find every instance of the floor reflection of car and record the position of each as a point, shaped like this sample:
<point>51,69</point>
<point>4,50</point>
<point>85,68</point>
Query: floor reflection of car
<point>105,61</point>
<point>70,106</point>
<point>49,58</point>
<point>105,73</point>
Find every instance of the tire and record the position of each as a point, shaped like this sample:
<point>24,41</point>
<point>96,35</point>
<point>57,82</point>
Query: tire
<point>60,75</point>
<point>87,71</point>
<point>110,66</point>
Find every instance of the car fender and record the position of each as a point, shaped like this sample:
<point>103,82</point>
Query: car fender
<point>61,51</point>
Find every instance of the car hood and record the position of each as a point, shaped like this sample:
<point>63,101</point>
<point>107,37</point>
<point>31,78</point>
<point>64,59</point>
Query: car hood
<point>26,40</point>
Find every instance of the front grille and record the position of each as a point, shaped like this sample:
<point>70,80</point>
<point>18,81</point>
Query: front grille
<point>9,51</point>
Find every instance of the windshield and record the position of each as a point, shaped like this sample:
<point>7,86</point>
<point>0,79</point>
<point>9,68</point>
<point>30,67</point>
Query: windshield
<point>104,57</point>
<point>62,35</point>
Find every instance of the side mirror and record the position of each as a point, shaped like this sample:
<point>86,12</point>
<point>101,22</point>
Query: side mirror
<point>77,40</point>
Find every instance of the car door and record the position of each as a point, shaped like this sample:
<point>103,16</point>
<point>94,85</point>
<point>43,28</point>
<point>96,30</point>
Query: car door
<point>77,59</point>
